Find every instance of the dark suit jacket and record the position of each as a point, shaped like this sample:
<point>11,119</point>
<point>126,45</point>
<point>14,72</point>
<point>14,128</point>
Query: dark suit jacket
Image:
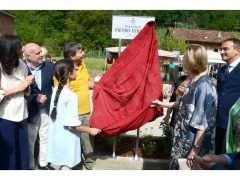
<point>47,72</point>
<point>236,162</point>
<point>235,165</point>
<point>228,88</point>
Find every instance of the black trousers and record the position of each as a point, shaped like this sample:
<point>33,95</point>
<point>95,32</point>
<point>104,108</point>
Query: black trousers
<point>220,140</point>
<point>13,145</point>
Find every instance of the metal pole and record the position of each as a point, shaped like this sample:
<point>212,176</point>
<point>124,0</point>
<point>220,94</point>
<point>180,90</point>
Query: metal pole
<point>114,147</point>
<point>119,47</point>
<point>136,147</point>
<point>114,139</point>
<point>105,65</point>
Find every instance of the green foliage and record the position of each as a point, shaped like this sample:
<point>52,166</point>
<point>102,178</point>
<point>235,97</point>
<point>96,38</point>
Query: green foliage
<point>167,136</point>
<point>28,32</point>
<point>149,145</point>
<point>218,20</point>
<point>169,42</point>
<point>53,28</point>
<point>91,28</point>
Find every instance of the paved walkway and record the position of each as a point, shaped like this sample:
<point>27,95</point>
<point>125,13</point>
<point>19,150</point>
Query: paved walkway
<point>128,163</point>
<point>150,128</point>
<point>125,163</point>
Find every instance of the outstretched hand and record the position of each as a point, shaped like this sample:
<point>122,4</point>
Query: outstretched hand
<point>155,103</point>
<point>191,158</point>
<point>201,163</point>
<point>94,131</point>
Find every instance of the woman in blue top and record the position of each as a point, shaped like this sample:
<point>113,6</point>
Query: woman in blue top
<point>196,110</point>
<point>63,147</point>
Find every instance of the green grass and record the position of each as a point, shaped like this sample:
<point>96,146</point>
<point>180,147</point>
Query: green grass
<point>96,66</point>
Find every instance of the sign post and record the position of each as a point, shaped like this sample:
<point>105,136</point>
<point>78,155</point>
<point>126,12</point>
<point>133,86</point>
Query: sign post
<point>127,27</point>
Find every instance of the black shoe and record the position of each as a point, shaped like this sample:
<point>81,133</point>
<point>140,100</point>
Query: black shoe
<point>89,166</point>
<point>47,167</point>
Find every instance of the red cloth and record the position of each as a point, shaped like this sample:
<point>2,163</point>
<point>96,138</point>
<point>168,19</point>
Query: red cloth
<point>122,97</point>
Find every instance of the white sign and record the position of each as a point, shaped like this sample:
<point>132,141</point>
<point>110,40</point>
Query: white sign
<point>127,27</point>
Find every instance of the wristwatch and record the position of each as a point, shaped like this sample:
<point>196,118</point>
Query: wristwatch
<point>196,147</point>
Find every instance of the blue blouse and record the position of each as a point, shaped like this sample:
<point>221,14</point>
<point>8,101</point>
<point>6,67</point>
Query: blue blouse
<point>196,111</point>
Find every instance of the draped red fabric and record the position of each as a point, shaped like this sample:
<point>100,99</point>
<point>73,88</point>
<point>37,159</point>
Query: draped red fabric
<point>122,97</point>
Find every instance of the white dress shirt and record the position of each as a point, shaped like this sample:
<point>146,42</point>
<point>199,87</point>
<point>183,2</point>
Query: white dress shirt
<point>37,72</point>
<point>233,65</point>
<point>14,107</point>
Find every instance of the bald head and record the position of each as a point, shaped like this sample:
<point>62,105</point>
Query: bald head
<point>33,53</point>
<point>29,48</point>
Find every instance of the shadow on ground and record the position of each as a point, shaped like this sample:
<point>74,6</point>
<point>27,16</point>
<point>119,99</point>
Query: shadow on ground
<point>125,158</point>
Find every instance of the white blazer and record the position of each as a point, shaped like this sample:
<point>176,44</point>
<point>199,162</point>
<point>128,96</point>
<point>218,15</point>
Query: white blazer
<point>14,107</point>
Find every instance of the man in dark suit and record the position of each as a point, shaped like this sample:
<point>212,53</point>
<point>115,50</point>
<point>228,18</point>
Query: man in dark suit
<point>38,103</point>
<point>228,88</point>
<point>217,162</point>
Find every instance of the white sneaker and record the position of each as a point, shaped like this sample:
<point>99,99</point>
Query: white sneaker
<point>65,168</point>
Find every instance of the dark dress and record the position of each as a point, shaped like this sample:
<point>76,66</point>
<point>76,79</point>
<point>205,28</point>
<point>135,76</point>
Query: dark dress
<point>196,111</point>
<point>173,97</point>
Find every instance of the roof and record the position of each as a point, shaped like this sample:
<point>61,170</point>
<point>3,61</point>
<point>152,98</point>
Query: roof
<point>170,54</point>
<point>213,57</point>
<point>8,14</point>
<point>161,53</point>
<point>210,36</point>
<point>114,49</point>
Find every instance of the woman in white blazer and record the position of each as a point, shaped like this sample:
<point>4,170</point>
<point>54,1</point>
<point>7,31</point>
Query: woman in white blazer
<point>14,84</point>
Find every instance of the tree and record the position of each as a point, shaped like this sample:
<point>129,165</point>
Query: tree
<point>169,42</point>
<point>53,29</point>
<point>91,28</point>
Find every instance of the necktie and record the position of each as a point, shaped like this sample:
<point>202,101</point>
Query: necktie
<point>226,72</point>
